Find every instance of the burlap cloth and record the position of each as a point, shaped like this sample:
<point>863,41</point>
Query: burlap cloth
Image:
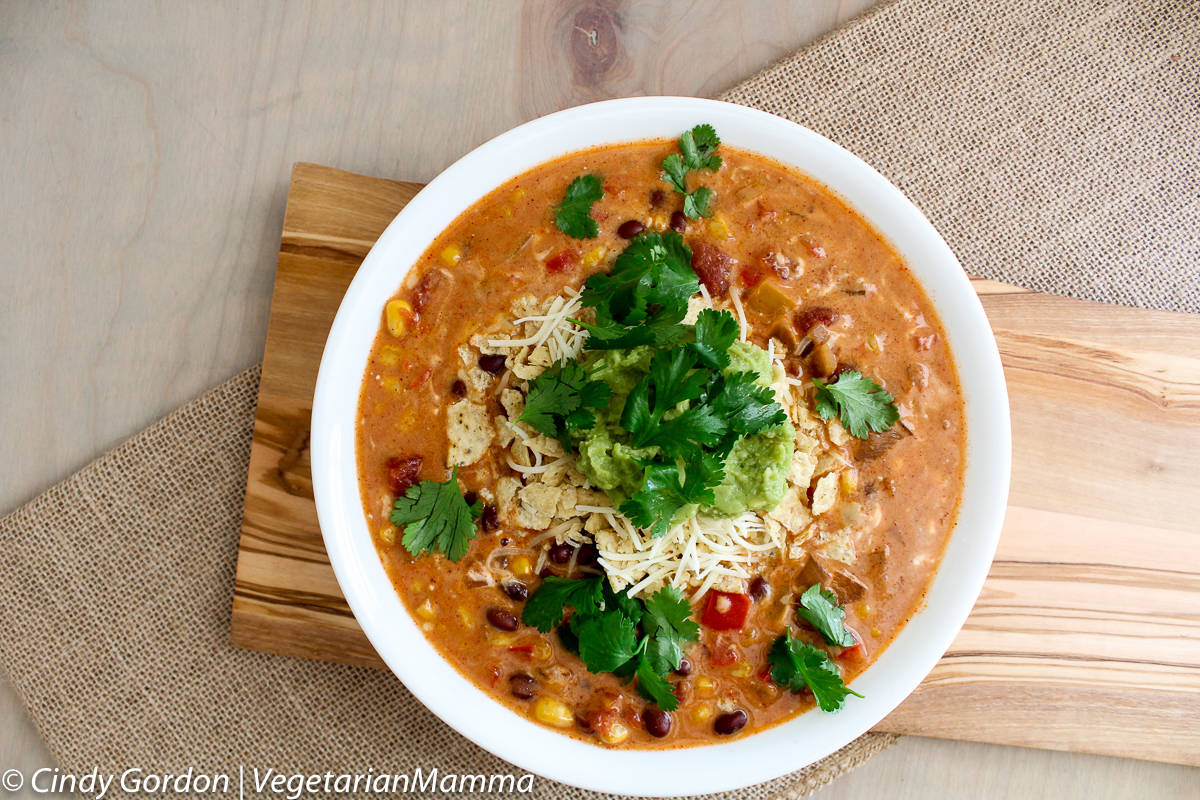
<point>1054,144</point>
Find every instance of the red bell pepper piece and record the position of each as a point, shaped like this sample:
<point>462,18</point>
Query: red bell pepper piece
<point>726,611</point>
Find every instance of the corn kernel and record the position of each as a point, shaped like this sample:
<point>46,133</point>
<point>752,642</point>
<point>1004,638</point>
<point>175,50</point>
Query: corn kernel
<point>521,566</point>
<point>614,732</point>
<point>658,222</point>
<point>398,313</point>
<point>506,211</point>
<point>389,356</point>
<point>387,534</point>
<point>542,651</point>
<point>705,686</point>
<point>876,632</point>
<point>718,228</point>
<point>594,256</point>
<point>451,254</point>
<point>502,639</point>
<point>863,610</point>
<point>741,670</point>
<point>849,480</point>
<point>552,711</point>
<point>425,610</point>
<point>702,713</point>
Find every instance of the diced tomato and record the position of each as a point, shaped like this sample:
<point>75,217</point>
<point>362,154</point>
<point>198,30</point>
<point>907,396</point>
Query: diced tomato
<point>751,277</point>
<point>563,260</point>
<point>713,266</point>
<point>765,675</point>
<point>726,611</point>
<point>420,379</point>
<point>725,654</point>
<point>402,473</point>
<point>521,648</point>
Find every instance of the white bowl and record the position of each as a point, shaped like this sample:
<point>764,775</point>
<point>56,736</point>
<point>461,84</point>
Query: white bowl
<point>725,764</point>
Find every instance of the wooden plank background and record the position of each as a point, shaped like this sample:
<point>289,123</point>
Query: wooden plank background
<point>1087,634</point>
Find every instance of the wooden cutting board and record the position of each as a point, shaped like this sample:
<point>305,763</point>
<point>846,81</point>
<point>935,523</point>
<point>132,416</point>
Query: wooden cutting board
<point>1087,634</point>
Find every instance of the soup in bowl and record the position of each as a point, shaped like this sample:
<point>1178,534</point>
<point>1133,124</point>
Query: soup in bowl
<point>662,447</point>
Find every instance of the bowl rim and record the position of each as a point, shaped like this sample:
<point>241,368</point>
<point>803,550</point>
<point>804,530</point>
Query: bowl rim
<point>728,764</point>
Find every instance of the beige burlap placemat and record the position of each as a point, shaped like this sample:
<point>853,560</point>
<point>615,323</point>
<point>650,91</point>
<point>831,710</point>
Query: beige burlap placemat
<point>1054,144</point>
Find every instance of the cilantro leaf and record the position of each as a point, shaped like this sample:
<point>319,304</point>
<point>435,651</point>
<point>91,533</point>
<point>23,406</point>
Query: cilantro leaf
<point>573,214</point>
<point>547,605</point>
<point>819,608</point>
<point>663,493</point>
<point>435,518</point>
<point>654,686</point>
<point>747,406</point>
<point>797,665</point>
<point>669,615</point>
<point>606,641</point>
<point>696,204</point>
<point>687,435</point>
<point>699,146</point>
<point>862,404</point>
<point>558,401</point>
<point>715,332</point>
<point>675,172</point>
<point>697,150</point>
<point>651,278</point>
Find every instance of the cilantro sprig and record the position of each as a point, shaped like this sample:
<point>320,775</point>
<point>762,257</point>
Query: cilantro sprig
<point>613,632</point>
<point>573,215</point>
<point>863,405</point>
<point>697,150</point>
<point>819,608</point>
<point>436,518</point>
<point>561,400</point>
<point>797,665</point>
<point>644,297</point>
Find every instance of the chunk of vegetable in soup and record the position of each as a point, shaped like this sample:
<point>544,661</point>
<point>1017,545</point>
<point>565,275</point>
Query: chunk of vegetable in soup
<point>587,503</point>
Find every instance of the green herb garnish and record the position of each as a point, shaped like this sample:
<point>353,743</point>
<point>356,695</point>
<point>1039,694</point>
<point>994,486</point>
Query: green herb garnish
<point>862,404</point>
<point>797,665</point>
<point>436,518</point>
<point>819,608</point>
<point>573,214</point>
<point>561,399</point>
<point>613,632</point>
<point>697,150</point>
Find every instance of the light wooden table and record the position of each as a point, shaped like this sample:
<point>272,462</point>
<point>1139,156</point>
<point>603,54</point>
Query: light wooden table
<point>144,154</point>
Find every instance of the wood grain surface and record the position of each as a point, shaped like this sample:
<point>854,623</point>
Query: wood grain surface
<point>148,146</point>
<point>1087,634</point>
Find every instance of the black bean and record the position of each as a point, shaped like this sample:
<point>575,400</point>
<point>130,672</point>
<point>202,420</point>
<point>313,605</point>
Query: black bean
<point>657,722</point>
<point>545,572</point>
<point>684,669</point>
<point>732,722</point>
<point>657,198</point>
<point>516,590</point>
<point>458,389</point>
<point>504,620</point>
<point>470,497</point>
<point>522,686</point>
<point>630,228</point>
<point>492,363</point>
<point>678,222</point>
<point>490,518</point>
<point>758,587</point>
<point>561,553</point>
<point>588,555</point>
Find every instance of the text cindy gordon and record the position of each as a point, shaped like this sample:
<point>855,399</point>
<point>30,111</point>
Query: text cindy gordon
<point>256,782</point>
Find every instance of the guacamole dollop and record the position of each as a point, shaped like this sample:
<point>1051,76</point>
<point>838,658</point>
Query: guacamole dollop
<point>755,469</point>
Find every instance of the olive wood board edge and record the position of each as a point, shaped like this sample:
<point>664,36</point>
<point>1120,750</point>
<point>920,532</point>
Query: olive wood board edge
<point>1086,636</point>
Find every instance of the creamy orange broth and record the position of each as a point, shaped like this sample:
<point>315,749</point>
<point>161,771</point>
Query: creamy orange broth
<point>781,229</point>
